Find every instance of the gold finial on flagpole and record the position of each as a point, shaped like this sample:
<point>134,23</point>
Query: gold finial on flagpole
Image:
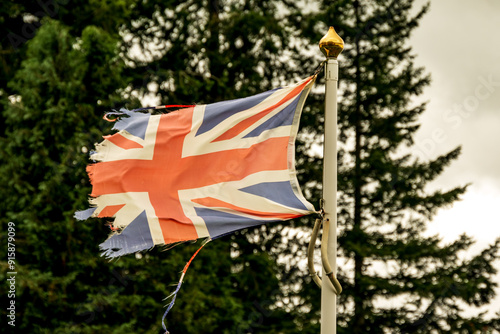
<point>331,44</point>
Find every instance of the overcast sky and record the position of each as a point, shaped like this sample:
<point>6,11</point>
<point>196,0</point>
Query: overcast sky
<point>458,42</point>
<point>459,45</point>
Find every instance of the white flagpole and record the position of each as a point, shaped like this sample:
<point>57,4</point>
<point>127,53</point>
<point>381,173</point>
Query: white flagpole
<point>331,45</point>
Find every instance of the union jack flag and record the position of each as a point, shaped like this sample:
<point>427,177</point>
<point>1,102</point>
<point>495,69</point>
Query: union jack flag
<point>198,172</point>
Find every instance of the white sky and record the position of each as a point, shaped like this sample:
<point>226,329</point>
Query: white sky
<point>458,43</point>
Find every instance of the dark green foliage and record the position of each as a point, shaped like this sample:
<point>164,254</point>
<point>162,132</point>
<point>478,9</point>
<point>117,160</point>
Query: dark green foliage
<point>206,51</point>
<point>53,114</point>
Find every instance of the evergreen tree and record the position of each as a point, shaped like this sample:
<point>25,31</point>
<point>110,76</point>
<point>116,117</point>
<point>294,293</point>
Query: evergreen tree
<point>395,279</point>
<point>50,118</point>
<point>21,19</point>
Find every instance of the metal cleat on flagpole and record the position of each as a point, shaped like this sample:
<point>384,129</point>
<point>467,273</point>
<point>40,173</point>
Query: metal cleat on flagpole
<point>331,45</point>
<point>324,255</point>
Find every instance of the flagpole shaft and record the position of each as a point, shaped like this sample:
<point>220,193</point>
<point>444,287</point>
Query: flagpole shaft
<point>328,296</point>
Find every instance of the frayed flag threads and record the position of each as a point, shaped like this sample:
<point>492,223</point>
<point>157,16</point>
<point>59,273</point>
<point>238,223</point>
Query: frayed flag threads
<point>173,295</point>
